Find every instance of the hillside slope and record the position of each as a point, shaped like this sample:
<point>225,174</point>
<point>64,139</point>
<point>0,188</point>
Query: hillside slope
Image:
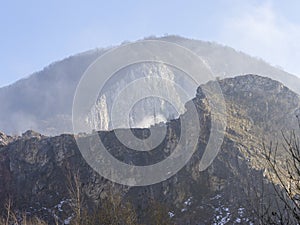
<point>43,101</point>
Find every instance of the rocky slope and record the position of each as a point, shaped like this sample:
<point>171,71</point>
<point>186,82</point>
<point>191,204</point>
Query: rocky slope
<point>34,169</point>
<point>43,101</point>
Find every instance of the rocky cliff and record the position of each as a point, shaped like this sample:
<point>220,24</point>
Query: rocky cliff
<point>34,169</point>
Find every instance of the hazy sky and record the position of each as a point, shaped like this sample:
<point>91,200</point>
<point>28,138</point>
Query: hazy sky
<point>36,33</point>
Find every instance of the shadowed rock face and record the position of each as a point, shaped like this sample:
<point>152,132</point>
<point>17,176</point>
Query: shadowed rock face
<point>34,169</point>
<point>43,101</point>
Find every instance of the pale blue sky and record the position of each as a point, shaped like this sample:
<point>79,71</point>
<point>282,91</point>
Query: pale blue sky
<point>36,33</point>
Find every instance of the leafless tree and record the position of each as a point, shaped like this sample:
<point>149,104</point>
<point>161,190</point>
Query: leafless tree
<point>282,205</point>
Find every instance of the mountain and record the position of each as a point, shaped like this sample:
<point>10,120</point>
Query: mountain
<point>43,101</point>
<point>35,168</point>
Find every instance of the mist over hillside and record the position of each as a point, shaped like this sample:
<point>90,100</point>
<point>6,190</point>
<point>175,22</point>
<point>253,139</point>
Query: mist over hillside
<point>43,101</point>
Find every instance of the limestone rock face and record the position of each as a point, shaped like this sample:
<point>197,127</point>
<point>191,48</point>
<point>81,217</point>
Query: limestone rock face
<point>5,139</point>
<point>35,169</point>
<point>147,111</point>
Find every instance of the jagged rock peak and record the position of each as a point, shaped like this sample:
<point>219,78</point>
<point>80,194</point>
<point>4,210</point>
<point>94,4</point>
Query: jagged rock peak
<point>5,139</point>
<point>250,82</point>
<point>31,134</point>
